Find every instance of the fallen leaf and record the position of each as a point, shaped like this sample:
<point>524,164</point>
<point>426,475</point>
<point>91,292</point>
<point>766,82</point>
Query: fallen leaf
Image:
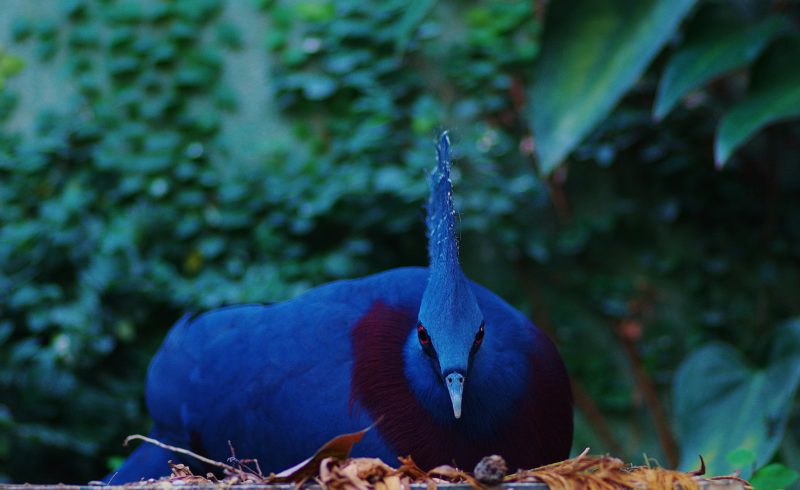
<point>409,467</point>
<point>446,472</point>
<point>337,448</point>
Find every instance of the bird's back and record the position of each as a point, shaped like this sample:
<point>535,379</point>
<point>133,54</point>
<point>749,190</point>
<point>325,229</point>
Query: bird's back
<point>275,380</point>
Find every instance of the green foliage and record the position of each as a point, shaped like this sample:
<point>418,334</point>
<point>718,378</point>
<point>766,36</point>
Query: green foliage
<point>773,95</point>
<point>593,52</point>
<point>774,476</point>
<point>161,180</point>
<point>721,403</point>
<point>707,53</point>
<point>742,459</point>
<point>80,207</point>
<point>10,65</point>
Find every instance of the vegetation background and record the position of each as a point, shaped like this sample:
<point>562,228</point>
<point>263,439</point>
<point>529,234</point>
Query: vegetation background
<point>628,174</point>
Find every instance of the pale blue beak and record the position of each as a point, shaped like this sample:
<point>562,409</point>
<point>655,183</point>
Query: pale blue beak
<point>455,386</point>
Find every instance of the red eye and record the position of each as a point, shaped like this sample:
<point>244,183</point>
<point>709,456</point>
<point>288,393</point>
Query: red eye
<point>424,338</point>
<point>479,336</point>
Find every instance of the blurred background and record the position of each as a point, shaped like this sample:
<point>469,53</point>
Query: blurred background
<point>627,172</point>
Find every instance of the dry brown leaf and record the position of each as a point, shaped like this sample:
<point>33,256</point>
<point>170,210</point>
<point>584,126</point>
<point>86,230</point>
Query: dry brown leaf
<point>179,470</point>
<point>371,469</point>
<point>604,473</point>
<point>350,473</point>
<point>335,476</point>
<point>409,468</point>
<point>327,473</point>
<point>337,448</point>
<point>431,484</point>
<point>446,472</point>
<point>393,482</point>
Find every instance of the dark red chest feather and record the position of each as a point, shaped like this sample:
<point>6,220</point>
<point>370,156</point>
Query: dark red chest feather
<point>539,432</point>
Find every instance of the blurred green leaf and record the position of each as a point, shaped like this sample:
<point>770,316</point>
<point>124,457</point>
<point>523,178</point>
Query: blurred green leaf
<point>722,404</point>
<point>10,65</point>
<point>773,96</point>
<point>741,458</point>
<point>719,49</point>
<point>229,36</point>
<point>74,9</point>
<point>123,66</point>
<point>414,14</point>
<point>314,10</point>
<point>21,29</point>
<point>124,12</point>
<point>593,52</point>
<point>774,476</point>
<point>317,87</point>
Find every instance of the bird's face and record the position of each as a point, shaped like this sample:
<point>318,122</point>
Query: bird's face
<point>450,326</point>
<point>450,333</point>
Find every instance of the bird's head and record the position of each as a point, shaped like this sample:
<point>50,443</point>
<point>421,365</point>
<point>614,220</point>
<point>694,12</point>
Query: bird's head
<point>450,325</point>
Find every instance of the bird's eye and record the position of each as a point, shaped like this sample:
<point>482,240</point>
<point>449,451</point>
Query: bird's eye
<point>425,341</point>
<point>423,336</point>
<point>478,339</point>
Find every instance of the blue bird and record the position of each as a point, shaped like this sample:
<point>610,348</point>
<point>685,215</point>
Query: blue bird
<point>449,371</point>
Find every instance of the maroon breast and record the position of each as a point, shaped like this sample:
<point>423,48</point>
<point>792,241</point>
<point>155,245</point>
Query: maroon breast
<point>538,432</point>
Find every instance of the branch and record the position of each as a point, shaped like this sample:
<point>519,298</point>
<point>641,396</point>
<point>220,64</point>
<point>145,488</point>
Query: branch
<point>539,8</point>
<point>651,398</point>
<point>181,451</point>
<point>557,195</point>
<point>592,412</point>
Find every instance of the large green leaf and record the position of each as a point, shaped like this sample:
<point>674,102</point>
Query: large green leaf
<point>593,51</point>
<point>774,96</point>
<point>717,49</point>
<point>774,476</point>
<point>722,404</point>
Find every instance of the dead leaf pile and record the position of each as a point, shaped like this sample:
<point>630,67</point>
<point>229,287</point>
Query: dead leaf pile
<point>604,473</point>
<point>333,469</point>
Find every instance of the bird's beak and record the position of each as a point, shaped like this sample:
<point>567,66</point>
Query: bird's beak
<point>455,386</point>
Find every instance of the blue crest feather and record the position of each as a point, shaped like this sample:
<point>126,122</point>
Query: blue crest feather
<point>449,310</point>
<point>441,220</point>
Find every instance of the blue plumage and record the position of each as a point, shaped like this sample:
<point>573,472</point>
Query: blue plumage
<point>452,372</point>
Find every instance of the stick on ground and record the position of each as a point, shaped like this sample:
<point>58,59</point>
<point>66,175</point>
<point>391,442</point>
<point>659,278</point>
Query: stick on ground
<point>181,451</point>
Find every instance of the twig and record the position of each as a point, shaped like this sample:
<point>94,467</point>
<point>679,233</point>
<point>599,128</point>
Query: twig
<point>589,408</point>
<point>539,8</point>
<point>557,194</point>
<point>233,451</point>
<point>651,398</point>
<point>181,451</point>
<point>258,467</point>
<point>112,478</point>
<point>243,462</point>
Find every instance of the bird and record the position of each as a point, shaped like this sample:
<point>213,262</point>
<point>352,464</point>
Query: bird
<point>445,370</point>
